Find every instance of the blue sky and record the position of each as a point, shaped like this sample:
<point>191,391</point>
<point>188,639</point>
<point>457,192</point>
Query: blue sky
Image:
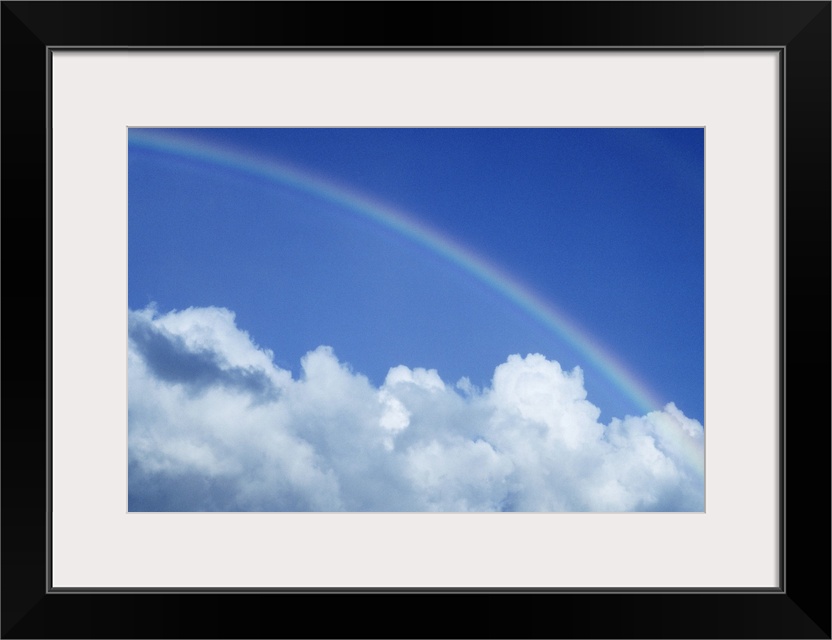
<point>606,225</point>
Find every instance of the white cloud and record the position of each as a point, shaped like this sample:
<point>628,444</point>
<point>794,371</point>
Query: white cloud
<point>215,425</point>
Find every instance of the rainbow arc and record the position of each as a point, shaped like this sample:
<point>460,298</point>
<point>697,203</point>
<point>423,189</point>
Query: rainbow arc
<point>492,275</point>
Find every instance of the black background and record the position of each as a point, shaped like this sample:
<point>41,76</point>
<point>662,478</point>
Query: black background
<point>799,609</point>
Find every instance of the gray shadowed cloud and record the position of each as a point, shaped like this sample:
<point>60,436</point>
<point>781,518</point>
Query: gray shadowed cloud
<point>172,360</point>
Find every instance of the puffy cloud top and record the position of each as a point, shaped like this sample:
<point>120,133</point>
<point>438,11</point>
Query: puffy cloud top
<point>215,425</point>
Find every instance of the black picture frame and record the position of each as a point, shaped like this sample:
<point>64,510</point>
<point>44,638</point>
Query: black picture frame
<point>798,608</point>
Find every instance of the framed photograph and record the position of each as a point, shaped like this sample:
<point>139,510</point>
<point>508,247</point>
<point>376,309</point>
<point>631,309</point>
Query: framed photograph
<point>494,304</point>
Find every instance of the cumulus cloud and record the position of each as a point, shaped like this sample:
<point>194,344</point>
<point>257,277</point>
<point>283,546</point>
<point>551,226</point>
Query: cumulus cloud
<point>215,425</point>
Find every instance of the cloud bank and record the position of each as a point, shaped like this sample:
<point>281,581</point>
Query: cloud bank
<point>215,425</point>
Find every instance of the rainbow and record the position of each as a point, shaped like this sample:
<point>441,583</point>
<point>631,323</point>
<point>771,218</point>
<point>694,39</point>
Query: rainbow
<point>388,217</point>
